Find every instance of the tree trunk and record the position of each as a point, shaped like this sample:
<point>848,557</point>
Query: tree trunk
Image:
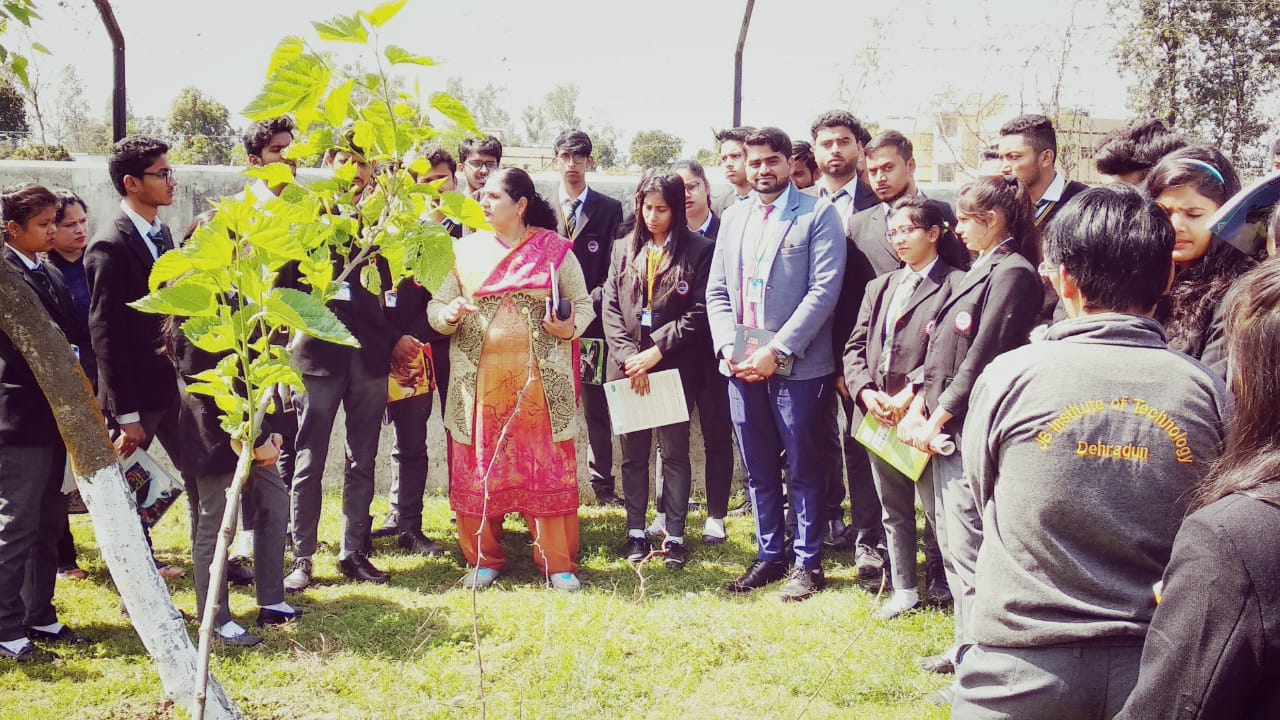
<point>106,494</point>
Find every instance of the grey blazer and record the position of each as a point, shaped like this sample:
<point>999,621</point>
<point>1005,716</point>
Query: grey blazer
<point>803,278</point>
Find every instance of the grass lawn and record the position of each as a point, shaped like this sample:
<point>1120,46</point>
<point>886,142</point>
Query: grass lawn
<point>682,649</point>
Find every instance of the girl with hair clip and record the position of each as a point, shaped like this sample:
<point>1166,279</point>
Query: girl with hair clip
<point>991,310</point>
<point>655,319</point>
<point>1211,651</point>
<point>514,372</point>
<point>1190,185</point>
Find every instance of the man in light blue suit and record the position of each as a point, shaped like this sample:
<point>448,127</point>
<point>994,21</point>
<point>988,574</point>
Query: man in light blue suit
<point>776,275</point>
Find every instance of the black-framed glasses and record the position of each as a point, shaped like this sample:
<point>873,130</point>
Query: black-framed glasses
<point>489,165</point>
<point>572,158</point>
<point>902,231</point>
<point>168,175</point>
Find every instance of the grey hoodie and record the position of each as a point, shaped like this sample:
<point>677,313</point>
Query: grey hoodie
<point>1081,450</point>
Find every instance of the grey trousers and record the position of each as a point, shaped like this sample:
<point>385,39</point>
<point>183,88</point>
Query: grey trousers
<point>162,425</point>
<point>898,500</point>
<point>1087,682</point>
<point>958,525</point>
<point>409,460</point>
<point>677,475</point>
<point>33,514</point>
<point>363,397</point>
<point>267,518</point>
<point>599,439</point>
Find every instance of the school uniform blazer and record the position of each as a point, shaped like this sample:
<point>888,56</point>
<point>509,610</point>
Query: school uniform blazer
<point>592,245</point>
<point>134,374</point>
<point>25,417</point>
<point>807,247</point>
<point>679,307</point>
<point>1072,189</point>
<point>363,315</point>
<point>713,229</point>
<point>870,256</point>
<point>990,311</point>
<point>863,352</point>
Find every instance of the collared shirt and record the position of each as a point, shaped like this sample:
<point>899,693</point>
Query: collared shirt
<point>703,230</point>
<point>888,207</point>
<point>1053,193</point>
<point>842,198</point>
<point>753,234</point>
<point>977,262</point>
<point>566,202</point>
<point>907,272</point>
<point>31,264</point>
<point>144,228</point>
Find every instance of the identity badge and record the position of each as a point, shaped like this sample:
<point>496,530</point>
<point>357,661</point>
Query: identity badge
<point>344,292</point>
<point>646,318</point>
<point>755,290</point>
<point>390,298</point>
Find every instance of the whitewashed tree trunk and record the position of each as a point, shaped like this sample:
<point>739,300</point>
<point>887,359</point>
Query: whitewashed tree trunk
<point>111,505</point>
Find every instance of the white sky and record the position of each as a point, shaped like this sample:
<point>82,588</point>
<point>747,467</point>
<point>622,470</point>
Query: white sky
<point>664,64</point>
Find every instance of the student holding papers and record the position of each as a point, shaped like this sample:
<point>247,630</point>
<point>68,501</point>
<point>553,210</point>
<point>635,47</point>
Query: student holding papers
<point>887,344</point>
<point>655,318</point>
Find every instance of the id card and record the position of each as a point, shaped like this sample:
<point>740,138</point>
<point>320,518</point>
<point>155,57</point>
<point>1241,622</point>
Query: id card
<point>646,318</point>
<point>755,290</point>
<point>75,350</point>
<point>390,298</point>
<point>344,292</point>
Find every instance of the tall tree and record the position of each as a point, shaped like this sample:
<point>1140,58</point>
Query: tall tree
<point>1203,68</point>
<point>486,107</point>
<point>558,111</point>
<point>76,127</point>
<point>654,148</point>
<point>199,123</point>
<point>13,109</point>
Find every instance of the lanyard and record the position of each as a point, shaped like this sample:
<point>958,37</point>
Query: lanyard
<point>652,263</point>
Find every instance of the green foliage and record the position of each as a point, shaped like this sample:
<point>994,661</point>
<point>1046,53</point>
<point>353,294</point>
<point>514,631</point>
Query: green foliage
<point>1205,69</point>
<point>42,152</point>
<point>21,12</point>
<point>654,149</point>
<point>222,283</point>
<point>201,125</point>
<point>13,109</point>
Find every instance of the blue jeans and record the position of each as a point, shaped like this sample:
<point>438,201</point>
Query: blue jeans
<point>768,417</point>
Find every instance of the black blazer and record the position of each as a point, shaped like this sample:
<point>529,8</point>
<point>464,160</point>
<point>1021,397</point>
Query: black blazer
<point>25,417</point>
<point>865,348</point>
<point>592,245</point>
<point>1071,190</point>
<point>134,375</point>
<point>363,315</point>
<point>679,307</point>
<point>989,312</point>
<point>713,228</point>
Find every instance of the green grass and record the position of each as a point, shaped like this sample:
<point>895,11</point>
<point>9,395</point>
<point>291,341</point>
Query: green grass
<point>683,649</point>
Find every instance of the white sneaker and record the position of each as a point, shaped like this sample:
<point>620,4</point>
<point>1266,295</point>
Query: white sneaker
<point>901,602</point>
<point>659,526</point>
<point>713,533</point>
<point>479,578</point>
<point>566,582</point>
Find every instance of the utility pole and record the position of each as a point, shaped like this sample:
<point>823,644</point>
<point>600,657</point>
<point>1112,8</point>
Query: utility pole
<point>119,102</point>
<point>737,65</point>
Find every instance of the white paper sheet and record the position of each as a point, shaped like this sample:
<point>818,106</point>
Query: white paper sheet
<point>664,405</point>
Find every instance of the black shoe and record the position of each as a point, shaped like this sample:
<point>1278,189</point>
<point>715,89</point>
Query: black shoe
<point>937,594</point>
<point>390,527</point>
<point>942,664</point>
<point>65,636</point>
<point>743,509</point>
<point>608,500</point>
<point>869,563</point>
<point>244,639</point>
<point>638,549</point>
<point>358,568</point>
<point>802,584</point>
<point>299,578</point>
<point>761,573</point>
<point>837,535</point>
<point>677,555</point>
<point>28,654</point>
<point>415,542</point>
<point>239,571</point>
<point>267,616</point>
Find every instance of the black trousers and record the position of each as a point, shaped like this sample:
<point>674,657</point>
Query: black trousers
<point>846,455</point>
<point>33,515</point>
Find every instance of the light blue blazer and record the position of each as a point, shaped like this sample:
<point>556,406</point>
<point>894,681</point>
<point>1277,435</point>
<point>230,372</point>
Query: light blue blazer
<point>803,267</point>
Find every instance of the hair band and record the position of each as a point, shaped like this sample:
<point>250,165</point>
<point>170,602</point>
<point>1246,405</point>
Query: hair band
<point>1213,171</point>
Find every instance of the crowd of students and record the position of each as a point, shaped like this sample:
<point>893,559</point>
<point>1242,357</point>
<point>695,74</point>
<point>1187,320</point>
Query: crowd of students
<point>1062,355</point>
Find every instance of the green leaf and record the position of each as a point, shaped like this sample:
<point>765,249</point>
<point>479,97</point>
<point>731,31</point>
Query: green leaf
<point>335,107</point>
<point>371,279</point>
<point>433,258</point>
<point>294,86</point>
<point>289,49</point>
<point>343,28</point>
<point>304,313</point>
<point>452,108</point>
<point>274,175</point>
<point>19,67</point>
<point>210,334</point>
<point>183,300</point>
<point>384,12</point>
<point>169,266</point>
<point>397,55</point>
<point>464,209</point>
<point>37,47</point>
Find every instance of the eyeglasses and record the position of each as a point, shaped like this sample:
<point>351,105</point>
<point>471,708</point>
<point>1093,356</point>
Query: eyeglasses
<point>902,231</point>
<point>572,158</point>
<point>691,186</point>
<point>482,165</point>
<point>168,175</point>
<point>1047,269</point>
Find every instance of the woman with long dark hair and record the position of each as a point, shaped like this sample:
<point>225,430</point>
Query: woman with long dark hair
<point>990,311</point>
<point>655,319</point>
<point>1190,185</point>
<point>514,370</point>
<point>1212,650</point>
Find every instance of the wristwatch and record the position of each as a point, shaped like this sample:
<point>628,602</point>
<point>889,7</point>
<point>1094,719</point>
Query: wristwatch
<point>779,355</point>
